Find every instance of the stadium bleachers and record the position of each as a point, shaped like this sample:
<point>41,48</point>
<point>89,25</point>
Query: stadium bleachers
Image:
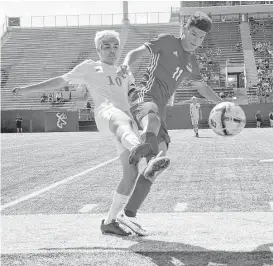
<point>30,55</point>
<point>261,32</point>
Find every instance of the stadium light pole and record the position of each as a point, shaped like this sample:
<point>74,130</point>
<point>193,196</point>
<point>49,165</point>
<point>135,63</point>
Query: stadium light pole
<point>125,13</point>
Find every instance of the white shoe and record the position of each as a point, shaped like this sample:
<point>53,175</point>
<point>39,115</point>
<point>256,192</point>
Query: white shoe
<point>156,166</point>
<point>131,222</point>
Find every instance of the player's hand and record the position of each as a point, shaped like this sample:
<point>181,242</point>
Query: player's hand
<point>123,71</point>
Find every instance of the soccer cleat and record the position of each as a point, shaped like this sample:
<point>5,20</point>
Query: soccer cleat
<point>131,223</point>
<point>138,152</point>
<point>197,135</point>
<point>113,228</point>
<point>156,166</point>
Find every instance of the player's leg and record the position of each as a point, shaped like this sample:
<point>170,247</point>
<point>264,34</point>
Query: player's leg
<point>121,196</point>
<point>150,122</point>
<point>196,126</point>
<point>143,184</point>
<point>147,116</point>
<point>122,126</point>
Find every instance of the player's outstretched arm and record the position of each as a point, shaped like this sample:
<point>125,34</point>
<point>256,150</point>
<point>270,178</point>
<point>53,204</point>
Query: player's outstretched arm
<point>47,85</point>
<point>130,58</point>
<point>207,91</point>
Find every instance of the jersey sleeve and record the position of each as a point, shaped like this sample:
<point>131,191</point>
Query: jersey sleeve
<point>78,74</point>
<point>131,83</point>
<point>158,44</point>
<point>195,74</point>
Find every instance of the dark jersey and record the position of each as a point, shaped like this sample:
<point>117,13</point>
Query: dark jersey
<point>19,122</point>
<point>169,66</point>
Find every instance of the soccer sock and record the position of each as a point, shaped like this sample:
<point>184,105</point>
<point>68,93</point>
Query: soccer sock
<point>140,193</point>
<point>129,140</point>
<point>151,138</point>
<point>117,205</point>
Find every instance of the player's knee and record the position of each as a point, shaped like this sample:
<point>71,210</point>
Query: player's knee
<point>116,124</point>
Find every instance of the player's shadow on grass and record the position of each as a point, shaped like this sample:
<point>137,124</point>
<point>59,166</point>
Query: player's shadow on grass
<point>164,253</point>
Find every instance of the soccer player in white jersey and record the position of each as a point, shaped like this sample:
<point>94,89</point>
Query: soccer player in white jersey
<point>110,95</point>
<point>196,113</point>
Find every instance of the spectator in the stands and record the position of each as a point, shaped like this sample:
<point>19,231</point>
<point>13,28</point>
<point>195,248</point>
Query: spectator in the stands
<point>43,98</point>
<point>50,97</point>
<point>59,97</point>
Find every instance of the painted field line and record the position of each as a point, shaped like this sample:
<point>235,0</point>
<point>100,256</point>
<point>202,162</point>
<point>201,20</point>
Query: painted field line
<point>180,207</point>
<point>87,208</point>
<point>266,161</point>
<point>54,185</point>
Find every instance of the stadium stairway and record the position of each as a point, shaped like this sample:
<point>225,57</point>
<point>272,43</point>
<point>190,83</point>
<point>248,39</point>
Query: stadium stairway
<point>249,59</point>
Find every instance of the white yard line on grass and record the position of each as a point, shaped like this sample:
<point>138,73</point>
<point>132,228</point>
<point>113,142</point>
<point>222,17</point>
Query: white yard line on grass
<point>54,185</point>
<point>87,208</point>
<point>180,207</point>
<point>266,161</point>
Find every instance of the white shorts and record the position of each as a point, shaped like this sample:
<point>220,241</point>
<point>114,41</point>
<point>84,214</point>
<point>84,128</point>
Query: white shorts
<point>194,120</point>
<point>102,118</point>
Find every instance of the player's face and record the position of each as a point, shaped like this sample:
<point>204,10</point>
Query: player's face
<point>194,101</point>
<point>109,51</point>
<point>192,38</point>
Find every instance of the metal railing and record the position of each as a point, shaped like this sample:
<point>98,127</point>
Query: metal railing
<point>117,19</point>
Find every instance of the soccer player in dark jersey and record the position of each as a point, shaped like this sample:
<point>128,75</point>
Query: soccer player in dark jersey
<point>172,62</point>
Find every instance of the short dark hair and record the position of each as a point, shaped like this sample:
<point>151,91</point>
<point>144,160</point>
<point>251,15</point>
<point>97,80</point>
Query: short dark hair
<point>201,21</point>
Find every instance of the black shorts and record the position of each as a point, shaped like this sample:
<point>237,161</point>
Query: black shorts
<point>139,110</point>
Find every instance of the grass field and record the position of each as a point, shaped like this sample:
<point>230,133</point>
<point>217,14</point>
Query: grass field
<point>213,206</point>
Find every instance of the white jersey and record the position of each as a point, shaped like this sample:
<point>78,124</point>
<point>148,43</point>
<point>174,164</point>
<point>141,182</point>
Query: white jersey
<point>102,83</point>
<point>194,109</point>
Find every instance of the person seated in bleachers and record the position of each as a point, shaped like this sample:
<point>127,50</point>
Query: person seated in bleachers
<point>59,97</point>
<point>43,98</point>
<point>50,97</point>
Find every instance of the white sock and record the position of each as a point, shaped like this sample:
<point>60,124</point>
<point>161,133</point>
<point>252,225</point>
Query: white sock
<point>129,140</point>
<point>117,205</point>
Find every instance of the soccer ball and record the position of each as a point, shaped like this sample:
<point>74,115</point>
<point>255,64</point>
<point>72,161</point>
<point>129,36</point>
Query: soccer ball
<point>227,119</point>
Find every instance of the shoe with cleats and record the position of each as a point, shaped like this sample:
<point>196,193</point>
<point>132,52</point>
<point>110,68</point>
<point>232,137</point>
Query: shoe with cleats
<point>113,228</point>
<point>156,166</point>
<point>131,223</point>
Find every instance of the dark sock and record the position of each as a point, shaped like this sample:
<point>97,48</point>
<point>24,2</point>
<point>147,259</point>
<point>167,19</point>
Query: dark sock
<point>140,193</point>
<point>151,138</point>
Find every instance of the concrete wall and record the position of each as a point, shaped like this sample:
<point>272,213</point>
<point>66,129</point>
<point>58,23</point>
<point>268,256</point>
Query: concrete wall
<point>178,117</point>
<point>33,120</point>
